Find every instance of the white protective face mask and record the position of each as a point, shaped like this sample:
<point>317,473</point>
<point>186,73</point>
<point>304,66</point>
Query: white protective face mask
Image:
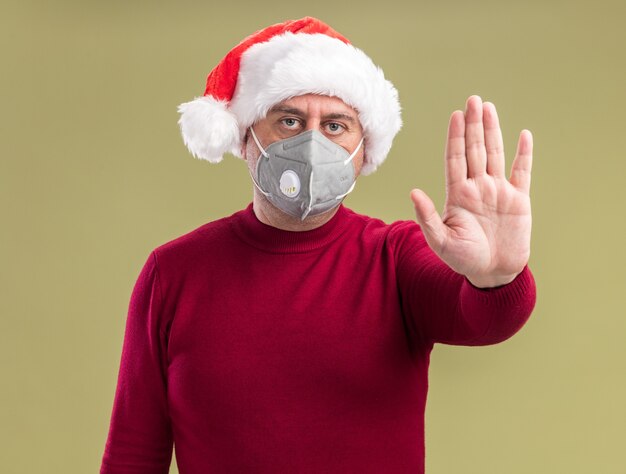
<point>306,174</point>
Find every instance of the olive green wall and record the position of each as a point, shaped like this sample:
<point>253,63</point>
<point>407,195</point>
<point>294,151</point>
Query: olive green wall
<point>94,175</point>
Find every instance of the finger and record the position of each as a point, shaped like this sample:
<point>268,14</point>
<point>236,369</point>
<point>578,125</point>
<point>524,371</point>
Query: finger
<point>475,137</point>
<point>493,141</point>
<point>427,217</point>
<point>456,163</point>
<point>522,164</point>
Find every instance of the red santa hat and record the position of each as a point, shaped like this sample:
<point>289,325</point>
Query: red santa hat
<point>285,60</point>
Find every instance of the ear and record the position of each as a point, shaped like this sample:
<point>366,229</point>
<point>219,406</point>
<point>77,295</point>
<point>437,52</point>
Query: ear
<point>359,160</point>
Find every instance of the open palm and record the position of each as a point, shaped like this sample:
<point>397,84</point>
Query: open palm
<point>484,231</point>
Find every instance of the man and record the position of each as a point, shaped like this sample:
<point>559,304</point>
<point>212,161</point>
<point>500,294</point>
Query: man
<point>295,335</point>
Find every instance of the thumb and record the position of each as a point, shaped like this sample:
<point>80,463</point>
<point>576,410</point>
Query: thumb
<point>429,220</point>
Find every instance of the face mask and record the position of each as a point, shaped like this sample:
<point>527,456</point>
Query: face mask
<point>306,174</point>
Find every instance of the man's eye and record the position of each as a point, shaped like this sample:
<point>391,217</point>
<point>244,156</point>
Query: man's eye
<point>334,128</point>
<point>290,122</point>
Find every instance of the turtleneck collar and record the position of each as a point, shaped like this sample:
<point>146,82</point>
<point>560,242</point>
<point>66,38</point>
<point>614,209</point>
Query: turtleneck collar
<point>271,239</point>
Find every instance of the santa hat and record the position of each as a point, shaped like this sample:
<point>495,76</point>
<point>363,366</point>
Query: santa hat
<point>285,60</point>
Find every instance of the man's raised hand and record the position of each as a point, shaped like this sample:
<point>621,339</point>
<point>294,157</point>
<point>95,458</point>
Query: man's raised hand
<point>484,231</point>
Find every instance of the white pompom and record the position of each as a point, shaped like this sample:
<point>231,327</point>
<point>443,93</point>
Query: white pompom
<point>208,128</point>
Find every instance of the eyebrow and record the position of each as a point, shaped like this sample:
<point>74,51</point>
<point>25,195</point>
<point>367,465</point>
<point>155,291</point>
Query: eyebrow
<point>300,113</point>
<point>347,117</point>
<point>286,110</point>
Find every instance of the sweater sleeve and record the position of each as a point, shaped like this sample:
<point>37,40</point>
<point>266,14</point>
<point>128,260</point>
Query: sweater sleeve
<point>140,437</point>
<point>442,306</point>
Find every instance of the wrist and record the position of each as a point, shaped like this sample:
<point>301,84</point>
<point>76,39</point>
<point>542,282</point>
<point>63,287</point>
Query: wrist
<point>491,281</point>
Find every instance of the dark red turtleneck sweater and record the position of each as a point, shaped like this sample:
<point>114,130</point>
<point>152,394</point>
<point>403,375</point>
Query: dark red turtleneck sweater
<point>257,350</point>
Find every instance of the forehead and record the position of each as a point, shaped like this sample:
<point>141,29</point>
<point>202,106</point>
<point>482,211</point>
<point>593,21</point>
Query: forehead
<point>315,105</point>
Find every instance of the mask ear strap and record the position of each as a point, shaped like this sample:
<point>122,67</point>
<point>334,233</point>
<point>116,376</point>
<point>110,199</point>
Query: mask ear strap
<point>256,140</point>
<point>347,160</point>
<point>341,196</point>
<point>258,186</point>
<point>264,153</point>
